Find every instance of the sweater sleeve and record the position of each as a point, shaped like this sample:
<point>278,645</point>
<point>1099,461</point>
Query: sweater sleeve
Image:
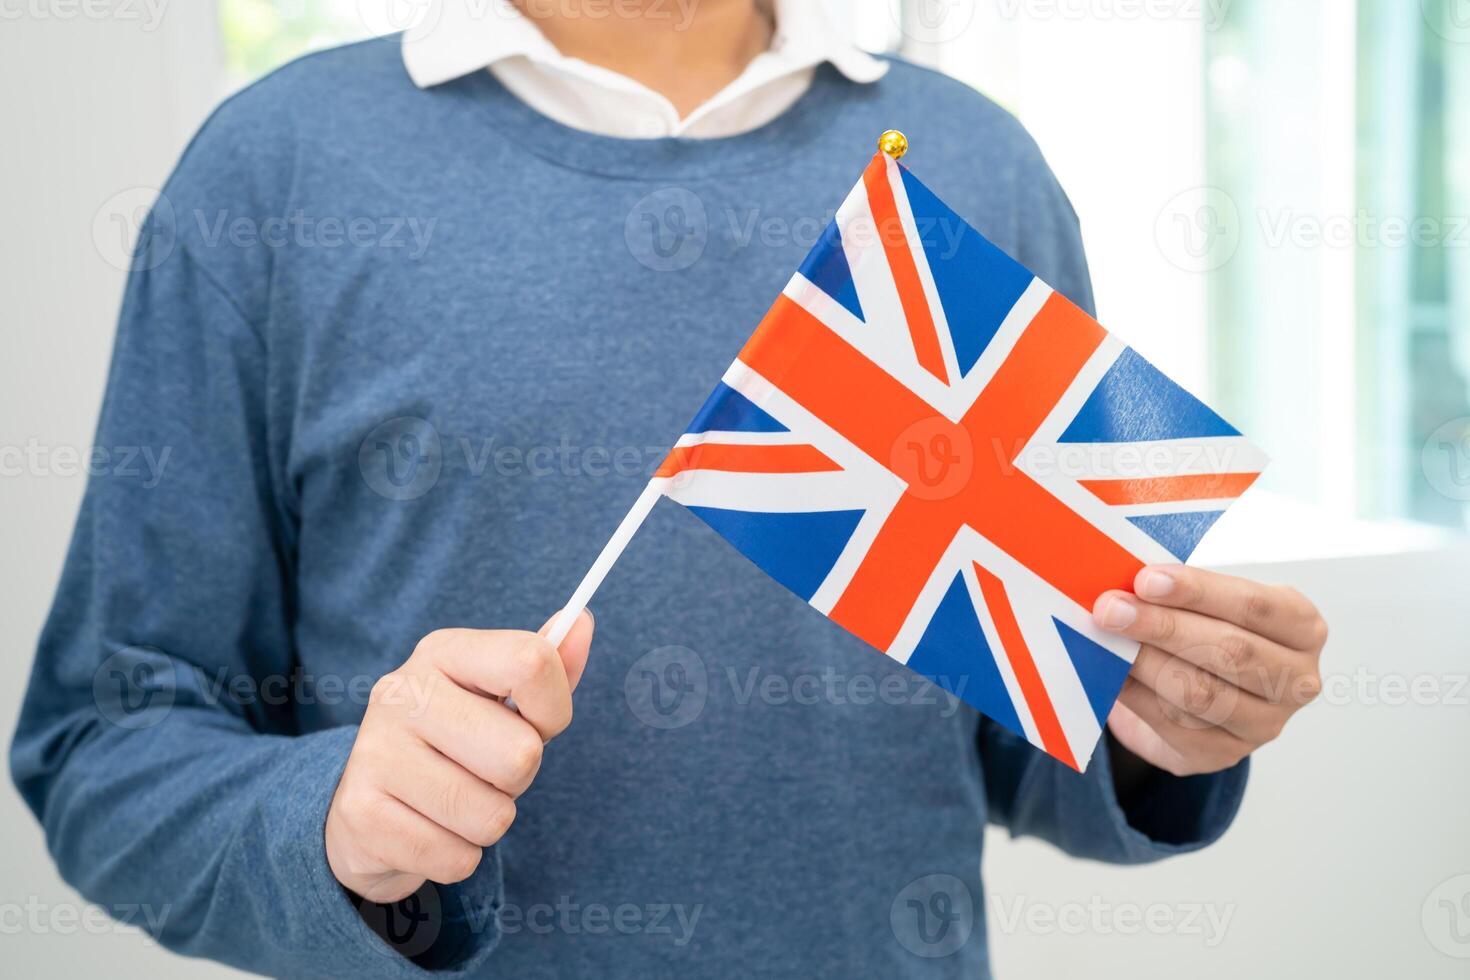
<point>1033,795</point>
<point>1028,792</point>
<point>163,775</point>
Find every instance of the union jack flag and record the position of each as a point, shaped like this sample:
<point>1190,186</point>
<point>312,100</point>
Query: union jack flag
<point>952,461</point>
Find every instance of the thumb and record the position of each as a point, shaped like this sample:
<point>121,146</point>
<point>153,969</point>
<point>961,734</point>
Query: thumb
<point>575,647</point>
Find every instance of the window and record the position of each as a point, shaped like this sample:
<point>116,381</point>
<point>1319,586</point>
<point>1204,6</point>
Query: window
<point>1340,327</point>
<point>1303,169</point>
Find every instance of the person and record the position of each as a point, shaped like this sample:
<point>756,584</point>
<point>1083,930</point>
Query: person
<point>415,318</point>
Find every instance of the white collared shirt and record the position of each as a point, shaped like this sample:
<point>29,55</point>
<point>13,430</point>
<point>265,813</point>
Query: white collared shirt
<point>461,37</point>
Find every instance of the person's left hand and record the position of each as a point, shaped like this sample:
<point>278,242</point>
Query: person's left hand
<point>1224,664</point>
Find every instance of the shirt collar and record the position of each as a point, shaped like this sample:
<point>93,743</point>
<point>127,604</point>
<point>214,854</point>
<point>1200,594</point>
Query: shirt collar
<point>457,38</point>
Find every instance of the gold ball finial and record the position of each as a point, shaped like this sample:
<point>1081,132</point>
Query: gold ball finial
<point>893,143</point>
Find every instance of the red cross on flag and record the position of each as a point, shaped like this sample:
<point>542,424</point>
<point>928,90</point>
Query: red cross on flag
<point>952,461</point>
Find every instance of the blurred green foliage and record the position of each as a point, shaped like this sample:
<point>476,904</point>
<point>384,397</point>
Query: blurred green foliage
<point>260,35</point>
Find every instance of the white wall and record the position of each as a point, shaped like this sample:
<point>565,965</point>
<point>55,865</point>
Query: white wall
<point>1349,825</point>
<point>1113,91</point>
<point>96,111</point>
<point>1351,822</point>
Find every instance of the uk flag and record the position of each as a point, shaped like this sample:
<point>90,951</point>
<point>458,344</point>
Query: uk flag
<point>952,461</point>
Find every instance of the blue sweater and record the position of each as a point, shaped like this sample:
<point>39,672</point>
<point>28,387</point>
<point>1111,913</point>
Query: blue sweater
<point>402,359</point>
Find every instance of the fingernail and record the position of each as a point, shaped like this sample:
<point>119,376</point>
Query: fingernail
<point>1154,584</point>
<point>590,614</point>
<point>1117,614</point>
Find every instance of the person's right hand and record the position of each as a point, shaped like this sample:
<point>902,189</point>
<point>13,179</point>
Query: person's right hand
<point>439,760</point>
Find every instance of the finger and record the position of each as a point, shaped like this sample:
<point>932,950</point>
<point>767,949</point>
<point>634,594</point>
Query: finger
<point>1134,735</point>
<point>493,742</point>
<point>450,795</point>
<point>409,842</point>
<point>1246,660</point>
<point>1207,696</point>
<point>509,664</point>
<point>1205,748</point>
<point>575,648</point>
<point>1275,612</point>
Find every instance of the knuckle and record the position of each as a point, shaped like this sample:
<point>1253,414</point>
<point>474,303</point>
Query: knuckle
<point>497,821</point>
<point>1178,767</point>
<point>561,722</point>
<point>460,864</point>
<point>531,656</point>
<point>1202,693</point>
<point>370,811</point>
<point>1163,627</point>
<point>1172,712</point>
<point>384,690</point>
<point>1191,587</point>
<point>422,851</point>
<point>433,642</point>
<point>1237,652</point>
<point>1319,632</point>
<point>1258,610</point>
<point>1310,686</point>
<point>359,863</point>
<point>453,797</point>
<point>350,817</point>
<point>374,855</point>
<point>525,757</point>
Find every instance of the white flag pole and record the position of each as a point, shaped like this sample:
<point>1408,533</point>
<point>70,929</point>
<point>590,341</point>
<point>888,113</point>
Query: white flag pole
<point>604,563</point>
